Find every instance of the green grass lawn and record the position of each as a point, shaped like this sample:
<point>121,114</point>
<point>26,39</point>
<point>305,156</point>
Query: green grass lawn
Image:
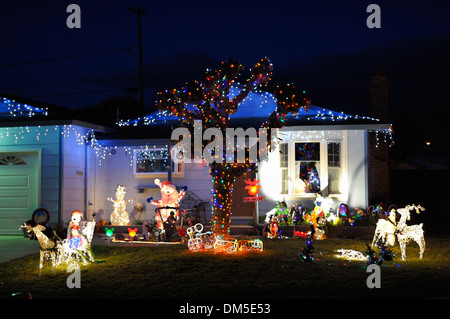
<point>171,271</point>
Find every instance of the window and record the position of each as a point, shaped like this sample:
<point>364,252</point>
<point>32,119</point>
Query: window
<point>284,161</point>
<point>307,167</point>
<point>334,167</point>
<point>11,160</point>
<point>311,167</point>
<point>153,162</point>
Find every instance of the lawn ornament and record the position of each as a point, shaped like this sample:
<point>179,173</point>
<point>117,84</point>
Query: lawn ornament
<point>170,197</point>
<point>300,234</point>
<point>296,212</point>
<point>77,246</point>
<point>271,227</point>
<point>199,241</point>
<point>109,231</point>
<point>385,229</point>
<point>343,211</point>
<point>48,247</point>
<point>120,216</point>
<point>317,222</point>
<point>250,245</point>
<point>73,231</point>
<point>132,232</point>
<point>406,234</point>
<point>324,204</point>
<point>222,245</point>
<point>350,254</point>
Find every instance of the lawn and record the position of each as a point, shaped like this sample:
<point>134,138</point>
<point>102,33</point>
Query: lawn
<point>171,271</point>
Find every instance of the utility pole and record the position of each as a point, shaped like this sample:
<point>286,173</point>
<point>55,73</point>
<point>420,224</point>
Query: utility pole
<point>139,13</point>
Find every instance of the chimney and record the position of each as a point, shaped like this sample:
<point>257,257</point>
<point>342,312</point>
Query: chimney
<point>379,101</point>
<point>379,171</point>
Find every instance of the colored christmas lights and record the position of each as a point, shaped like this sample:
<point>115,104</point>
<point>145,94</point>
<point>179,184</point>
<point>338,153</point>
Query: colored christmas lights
<point>209,101</point>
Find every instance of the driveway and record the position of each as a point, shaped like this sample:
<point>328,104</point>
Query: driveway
<point>12,247</point>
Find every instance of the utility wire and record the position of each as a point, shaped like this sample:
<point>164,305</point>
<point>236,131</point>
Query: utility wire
<point>63,57</point>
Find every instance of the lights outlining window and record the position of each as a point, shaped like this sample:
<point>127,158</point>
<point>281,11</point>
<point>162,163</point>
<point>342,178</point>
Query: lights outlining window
<point>154,161</point>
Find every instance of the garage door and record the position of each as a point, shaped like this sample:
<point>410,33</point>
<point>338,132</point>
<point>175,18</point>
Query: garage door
<point>19,190</point>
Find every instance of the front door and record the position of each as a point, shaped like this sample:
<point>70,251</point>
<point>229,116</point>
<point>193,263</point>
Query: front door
<point>242,212</point>
<point>19,189</point>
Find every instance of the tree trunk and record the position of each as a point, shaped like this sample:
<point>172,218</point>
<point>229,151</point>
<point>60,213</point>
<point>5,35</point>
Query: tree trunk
<point>224,176</point>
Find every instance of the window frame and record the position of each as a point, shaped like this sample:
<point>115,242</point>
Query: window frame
<point>323,166</point>
<point>178,168</point>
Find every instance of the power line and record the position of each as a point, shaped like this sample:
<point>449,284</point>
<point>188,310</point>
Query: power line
<point>64,57</point>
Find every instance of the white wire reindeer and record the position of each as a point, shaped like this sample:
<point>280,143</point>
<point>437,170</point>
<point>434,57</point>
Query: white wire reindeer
<point>406,234</point>
<point>49,248</point>
<point>385,230</point>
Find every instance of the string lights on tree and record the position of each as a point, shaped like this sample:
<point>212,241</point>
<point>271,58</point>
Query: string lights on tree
<point>210,102</point>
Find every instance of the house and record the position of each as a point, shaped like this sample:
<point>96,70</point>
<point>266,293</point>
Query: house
<point>42,162</point>
<point>71,164</point>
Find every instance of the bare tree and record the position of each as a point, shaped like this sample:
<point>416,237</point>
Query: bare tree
<point>210,101</point>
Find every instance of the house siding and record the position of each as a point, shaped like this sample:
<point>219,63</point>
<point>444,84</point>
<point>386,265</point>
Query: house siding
<point>354,190</point>
<point>117,169</point>
<point>45,140</point>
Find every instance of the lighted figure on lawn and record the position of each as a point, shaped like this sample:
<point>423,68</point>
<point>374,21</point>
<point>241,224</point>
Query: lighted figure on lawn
<point>271,224</point>
<point>324,204</point>
<point>211,105</point>
<point>120,216</point>
<point>76,247</point>
<point>170,197</point>
<point>74,234</point>
<point>406,234</point>
<point>48,247</point>
<point>385,229</point>
<point>316,219</point>
<point>199,240</point>
<point>297,213</point>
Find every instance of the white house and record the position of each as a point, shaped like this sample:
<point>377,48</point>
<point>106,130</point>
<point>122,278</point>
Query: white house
<point>63,164</point>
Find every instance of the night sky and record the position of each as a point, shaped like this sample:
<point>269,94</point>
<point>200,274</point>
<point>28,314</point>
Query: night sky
<point>324,47</point>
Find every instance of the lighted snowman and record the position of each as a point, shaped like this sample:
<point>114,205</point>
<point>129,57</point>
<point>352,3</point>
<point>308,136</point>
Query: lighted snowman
<point>170,197</point>
<point>120,216</point>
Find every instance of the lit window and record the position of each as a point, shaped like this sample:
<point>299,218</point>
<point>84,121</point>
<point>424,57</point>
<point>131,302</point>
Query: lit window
<point>334,167</point>
<point>284,161</point>
<point>154,161</point>
<point>307,167</point>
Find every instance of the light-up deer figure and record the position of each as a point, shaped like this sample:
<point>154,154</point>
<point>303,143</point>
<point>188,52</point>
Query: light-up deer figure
<point>49,248</point>
<point>406,234</point>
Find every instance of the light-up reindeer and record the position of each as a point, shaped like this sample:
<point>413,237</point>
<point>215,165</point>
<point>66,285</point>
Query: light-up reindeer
<point>406,234</point>
<point>49,248</point>
<point>385,230</point>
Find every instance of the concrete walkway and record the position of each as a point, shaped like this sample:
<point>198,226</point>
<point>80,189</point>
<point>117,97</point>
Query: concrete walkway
<point>12,247</point>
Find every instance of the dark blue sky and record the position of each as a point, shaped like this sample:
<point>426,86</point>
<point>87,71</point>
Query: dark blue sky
<point>324,47</point>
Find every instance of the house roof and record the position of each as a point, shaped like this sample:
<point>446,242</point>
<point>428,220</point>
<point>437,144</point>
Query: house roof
<point>19,111</point>
<point>252,112</point>
<point>256,108</point>
<point>10,108</point>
